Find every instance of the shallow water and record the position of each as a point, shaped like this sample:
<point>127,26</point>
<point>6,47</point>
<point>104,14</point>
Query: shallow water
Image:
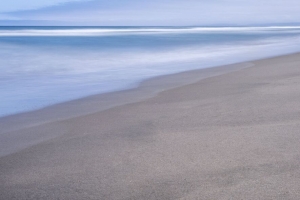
<point>41,66</point>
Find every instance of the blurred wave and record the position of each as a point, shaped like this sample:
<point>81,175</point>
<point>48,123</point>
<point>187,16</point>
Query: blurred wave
<point>42,70</point>
<point>134,31</point>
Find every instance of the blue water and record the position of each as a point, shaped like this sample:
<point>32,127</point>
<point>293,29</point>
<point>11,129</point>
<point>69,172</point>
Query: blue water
<point>41,66</point>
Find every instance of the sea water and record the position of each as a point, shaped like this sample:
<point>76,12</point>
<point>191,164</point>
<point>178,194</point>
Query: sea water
<point>42,66</point>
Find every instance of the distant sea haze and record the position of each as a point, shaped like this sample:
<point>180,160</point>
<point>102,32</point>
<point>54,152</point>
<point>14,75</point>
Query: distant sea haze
<point>42,66</point>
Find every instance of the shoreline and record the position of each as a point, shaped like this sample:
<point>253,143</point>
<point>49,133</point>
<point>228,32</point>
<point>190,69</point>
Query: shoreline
<point>100,102</point>
<point>105,99</point>
<point>13,124</point>
<point>230,136</point>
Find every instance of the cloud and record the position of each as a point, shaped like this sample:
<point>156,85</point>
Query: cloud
<point>7,17</point>
<point>13,5</point>
<point>166,12</point>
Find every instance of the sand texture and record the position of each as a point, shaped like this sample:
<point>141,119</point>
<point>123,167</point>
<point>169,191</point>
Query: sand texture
<point>232,136</point>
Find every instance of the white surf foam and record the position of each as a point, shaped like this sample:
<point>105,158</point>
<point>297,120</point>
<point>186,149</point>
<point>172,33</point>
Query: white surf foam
<point>138,31</point>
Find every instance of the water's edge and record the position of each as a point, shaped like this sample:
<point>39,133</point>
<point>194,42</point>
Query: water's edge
<point>95,103</point>
<point>12,140</point>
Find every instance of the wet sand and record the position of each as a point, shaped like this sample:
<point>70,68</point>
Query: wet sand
<point>232,135</point>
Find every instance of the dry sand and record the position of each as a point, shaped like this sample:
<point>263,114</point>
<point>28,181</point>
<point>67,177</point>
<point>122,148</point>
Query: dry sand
<point>232,136</point>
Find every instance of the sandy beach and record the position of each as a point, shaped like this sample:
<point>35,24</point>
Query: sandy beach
<point>230,132</point>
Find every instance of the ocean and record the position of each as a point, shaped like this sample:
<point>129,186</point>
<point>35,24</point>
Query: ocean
<point>42,66</point>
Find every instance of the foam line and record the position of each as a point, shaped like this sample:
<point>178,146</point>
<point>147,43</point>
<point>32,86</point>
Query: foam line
<point>134,31</point>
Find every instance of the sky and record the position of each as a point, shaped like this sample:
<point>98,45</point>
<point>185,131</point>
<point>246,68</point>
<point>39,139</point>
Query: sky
<point>149,12</point>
